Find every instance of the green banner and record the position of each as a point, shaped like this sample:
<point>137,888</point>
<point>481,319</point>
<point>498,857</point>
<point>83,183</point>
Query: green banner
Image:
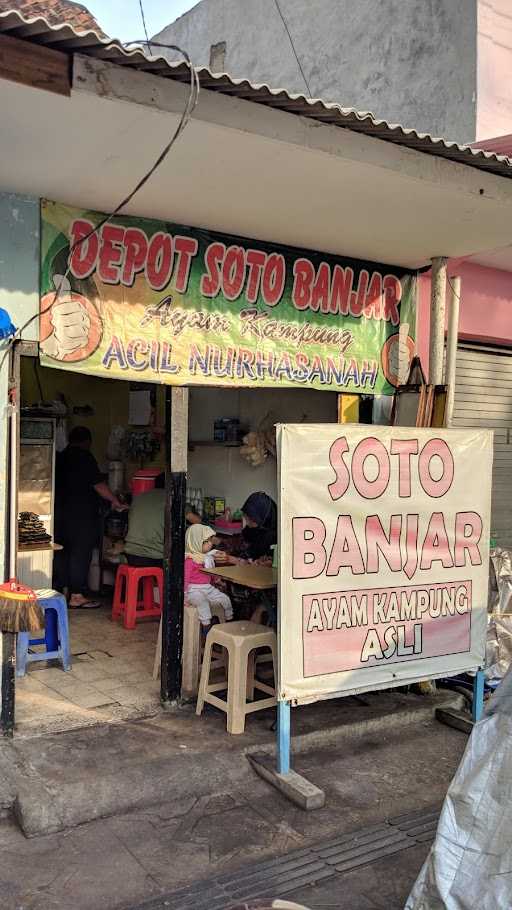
<point>157,302</point>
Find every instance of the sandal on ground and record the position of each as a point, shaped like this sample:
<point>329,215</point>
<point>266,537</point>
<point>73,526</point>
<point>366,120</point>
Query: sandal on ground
<point>85,605</point>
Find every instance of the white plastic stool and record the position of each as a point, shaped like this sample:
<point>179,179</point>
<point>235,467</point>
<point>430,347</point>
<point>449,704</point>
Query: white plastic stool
<point>241,640</point>
<point>191,660</point>
<point>192,648</point>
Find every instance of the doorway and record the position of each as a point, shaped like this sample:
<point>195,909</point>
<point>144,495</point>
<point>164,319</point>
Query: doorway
<point>112,676</point>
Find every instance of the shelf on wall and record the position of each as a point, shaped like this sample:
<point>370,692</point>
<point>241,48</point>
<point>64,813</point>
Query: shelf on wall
<point>211,443</point>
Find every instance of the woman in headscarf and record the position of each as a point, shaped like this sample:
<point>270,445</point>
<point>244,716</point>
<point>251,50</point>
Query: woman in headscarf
<point>260,532</point>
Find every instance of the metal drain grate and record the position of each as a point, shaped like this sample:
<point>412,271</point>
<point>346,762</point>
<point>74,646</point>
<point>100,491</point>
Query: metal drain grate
<point>284,874</point>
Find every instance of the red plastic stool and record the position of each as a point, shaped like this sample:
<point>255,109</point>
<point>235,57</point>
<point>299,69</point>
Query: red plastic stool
<point>128,603</point>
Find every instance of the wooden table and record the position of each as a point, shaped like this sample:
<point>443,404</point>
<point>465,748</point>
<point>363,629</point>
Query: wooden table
<point>259,578</point>
<point>227,532</point>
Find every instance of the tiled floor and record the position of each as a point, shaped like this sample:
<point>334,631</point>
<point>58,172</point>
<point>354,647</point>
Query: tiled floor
<point>111,678</point>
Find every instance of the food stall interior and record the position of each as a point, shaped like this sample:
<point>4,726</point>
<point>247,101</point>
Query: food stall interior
<point>231,454</point>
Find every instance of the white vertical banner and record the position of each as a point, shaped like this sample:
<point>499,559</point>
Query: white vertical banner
<point>384,556</point>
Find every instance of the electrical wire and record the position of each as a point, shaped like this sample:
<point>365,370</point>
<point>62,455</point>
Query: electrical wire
<point>144,24</point>
<point>184,119</point>
<point>299,64</point>
<point>454,292</point>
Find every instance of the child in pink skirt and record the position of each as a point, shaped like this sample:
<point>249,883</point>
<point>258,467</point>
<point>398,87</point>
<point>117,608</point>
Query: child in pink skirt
<point>199,591</point>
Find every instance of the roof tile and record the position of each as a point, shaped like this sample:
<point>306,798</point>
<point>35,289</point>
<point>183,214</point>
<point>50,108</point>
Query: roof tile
<point>55,12</point>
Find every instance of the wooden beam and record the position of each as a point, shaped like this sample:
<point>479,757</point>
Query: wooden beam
<point>29,348</point>
<point>36,66</point>
<point>176,439</point>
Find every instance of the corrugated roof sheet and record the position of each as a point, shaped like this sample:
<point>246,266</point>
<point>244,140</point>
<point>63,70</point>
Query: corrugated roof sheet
<point>501,145</point>
<point>65,38</point>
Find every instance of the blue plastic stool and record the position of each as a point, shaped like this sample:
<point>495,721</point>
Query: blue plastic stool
<point>56,638</point>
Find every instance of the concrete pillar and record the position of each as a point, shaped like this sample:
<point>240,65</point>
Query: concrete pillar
<point>451,346</point>
<point>437,317</point>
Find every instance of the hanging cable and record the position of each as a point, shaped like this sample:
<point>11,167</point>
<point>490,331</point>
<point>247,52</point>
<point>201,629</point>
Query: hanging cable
<point>454,292</point>
<point>144,24</point>
<point>184,119</point>
<point>299,64</point>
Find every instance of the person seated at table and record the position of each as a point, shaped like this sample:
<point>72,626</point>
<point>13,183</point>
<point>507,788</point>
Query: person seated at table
<point>144,544</point>
<point>259,534</point>
<point>200,541</point>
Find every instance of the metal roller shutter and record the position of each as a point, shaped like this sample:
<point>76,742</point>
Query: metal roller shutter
<point>483,398</point>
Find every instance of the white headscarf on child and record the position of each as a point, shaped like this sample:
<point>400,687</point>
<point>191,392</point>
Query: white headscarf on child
<point>195,537</point>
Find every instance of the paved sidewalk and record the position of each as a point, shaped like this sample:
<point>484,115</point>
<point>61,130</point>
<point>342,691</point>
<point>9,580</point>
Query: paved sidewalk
<point>322,866</point>
<point>65,779</point>
<point>123,861</point>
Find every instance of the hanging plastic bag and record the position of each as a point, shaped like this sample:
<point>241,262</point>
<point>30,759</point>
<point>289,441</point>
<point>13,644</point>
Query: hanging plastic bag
<point>499,629</point>
<point>469,865</point>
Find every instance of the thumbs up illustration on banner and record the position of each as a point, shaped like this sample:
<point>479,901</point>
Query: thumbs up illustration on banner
<point>397,354</point>
<point>72,330</point>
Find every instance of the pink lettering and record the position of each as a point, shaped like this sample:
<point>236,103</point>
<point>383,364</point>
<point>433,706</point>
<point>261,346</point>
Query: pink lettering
<point>468,533</point>
<point>436,448</point>
<point>309,556</point>
<point>371,447</point>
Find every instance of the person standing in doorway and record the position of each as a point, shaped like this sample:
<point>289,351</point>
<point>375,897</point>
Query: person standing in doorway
<point>79,486</point>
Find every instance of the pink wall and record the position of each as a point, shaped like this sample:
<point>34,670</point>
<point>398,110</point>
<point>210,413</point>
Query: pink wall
<point>486,294</point>
<point>485,311</point>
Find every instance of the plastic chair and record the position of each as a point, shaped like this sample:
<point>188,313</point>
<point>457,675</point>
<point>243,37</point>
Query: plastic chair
<point>240,639</point>
<point>57,646</point>
<point>192,648</point>
<point>127,602</point>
